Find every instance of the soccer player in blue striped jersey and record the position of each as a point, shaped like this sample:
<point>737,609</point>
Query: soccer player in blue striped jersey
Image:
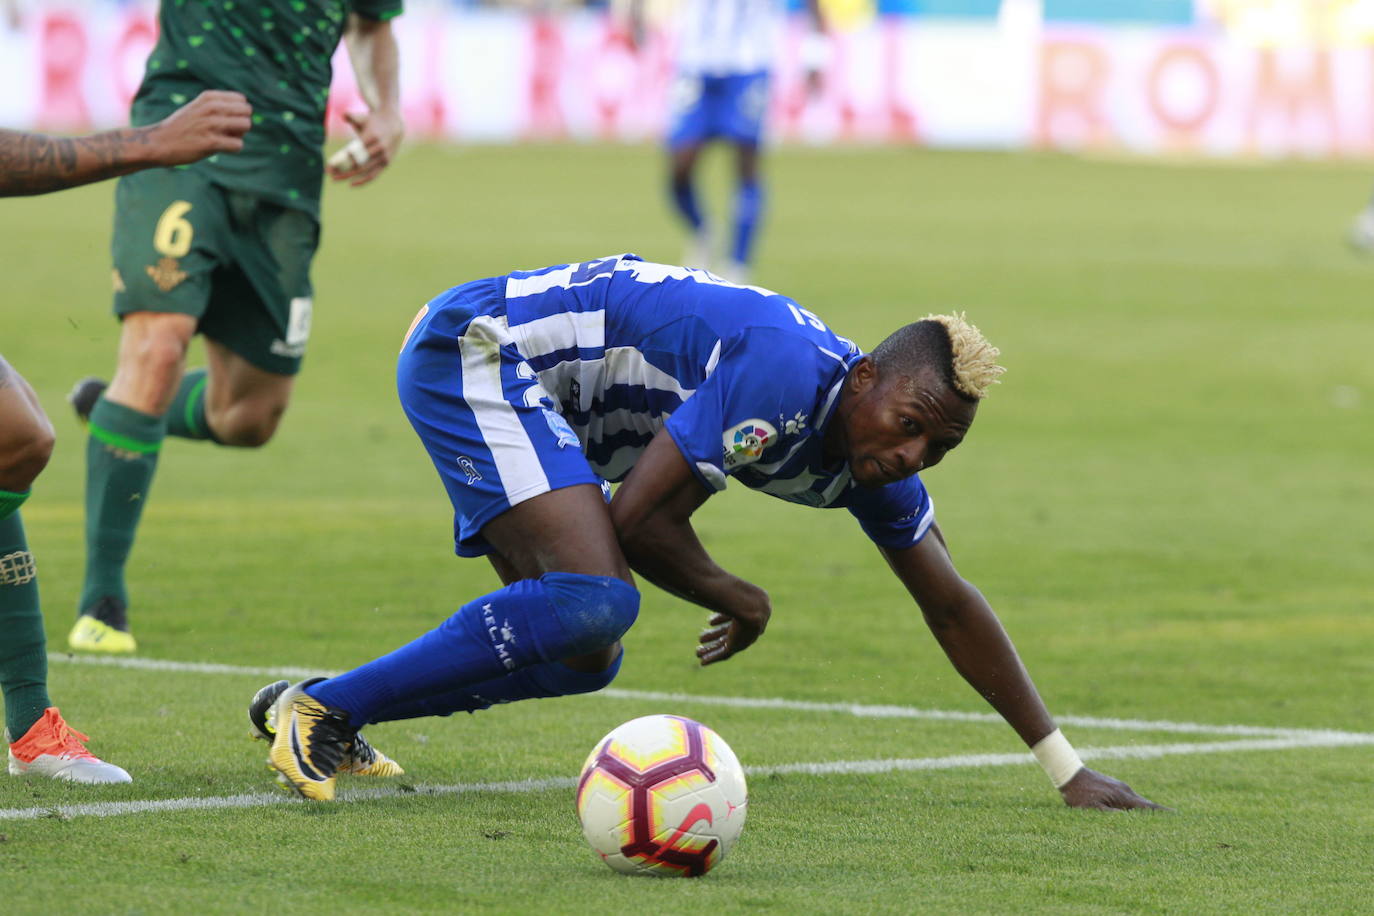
<point>535,390</point>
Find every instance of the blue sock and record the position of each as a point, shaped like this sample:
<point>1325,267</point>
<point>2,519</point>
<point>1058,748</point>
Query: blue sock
<point>551,679</point>
<point>748,206</point>
<point>528,622</point>
<point>685,199</point>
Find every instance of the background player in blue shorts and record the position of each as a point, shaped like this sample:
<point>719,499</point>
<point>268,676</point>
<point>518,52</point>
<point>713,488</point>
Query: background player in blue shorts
<point>725,50</point>
<point>530,390</point>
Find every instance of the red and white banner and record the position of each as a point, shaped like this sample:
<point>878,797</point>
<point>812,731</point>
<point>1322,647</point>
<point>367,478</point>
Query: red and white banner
<point>488,76</point>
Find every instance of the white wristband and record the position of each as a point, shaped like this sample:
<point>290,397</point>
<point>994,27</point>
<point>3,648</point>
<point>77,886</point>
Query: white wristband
<point>1057,758</point>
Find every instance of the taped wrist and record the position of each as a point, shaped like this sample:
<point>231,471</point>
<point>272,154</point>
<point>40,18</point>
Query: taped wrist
<point>1057,758</point>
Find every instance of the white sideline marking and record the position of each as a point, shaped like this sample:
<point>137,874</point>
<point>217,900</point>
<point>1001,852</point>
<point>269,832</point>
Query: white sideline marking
<point>157,664</point>
<point>825,768</point>
<point>853,709</point>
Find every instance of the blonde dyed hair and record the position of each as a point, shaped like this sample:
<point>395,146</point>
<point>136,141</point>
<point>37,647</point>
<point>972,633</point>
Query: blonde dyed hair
<point>975,368</point>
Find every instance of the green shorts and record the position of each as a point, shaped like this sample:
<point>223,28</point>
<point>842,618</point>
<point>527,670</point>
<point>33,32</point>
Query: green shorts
<point>236,262</point>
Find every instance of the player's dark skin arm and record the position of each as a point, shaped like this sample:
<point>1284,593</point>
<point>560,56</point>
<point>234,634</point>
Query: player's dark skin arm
<point>214,122</point>
<point>973,638</point>
<point>38,163</point>
<point>652,513</point>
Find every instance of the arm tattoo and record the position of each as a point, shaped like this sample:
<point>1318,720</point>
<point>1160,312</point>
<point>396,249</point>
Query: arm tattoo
<point>37,163</point>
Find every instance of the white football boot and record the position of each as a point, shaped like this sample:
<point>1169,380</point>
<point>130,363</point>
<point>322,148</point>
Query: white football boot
<point>700,251</point>
<point>52,748</point>
<point>736,272</point>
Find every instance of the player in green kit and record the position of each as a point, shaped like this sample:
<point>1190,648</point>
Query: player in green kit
<point>221,248</point>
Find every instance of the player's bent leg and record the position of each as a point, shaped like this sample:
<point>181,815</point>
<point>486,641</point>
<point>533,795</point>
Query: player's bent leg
<point>551,679</point>
<point>26,441</point>
<point>577,674</point>
<point>242,404</point>
<point>40,742</point>
<point>529,623</point>
<point>126,426</point>
<point>580,604</point>
<point>576,665</point>
<point>596,662</point>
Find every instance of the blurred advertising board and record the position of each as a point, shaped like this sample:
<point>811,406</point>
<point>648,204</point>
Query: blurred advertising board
<point>1211,77</point>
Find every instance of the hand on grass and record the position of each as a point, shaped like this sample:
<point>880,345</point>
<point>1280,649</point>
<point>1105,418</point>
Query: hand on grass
<point>1091,789</point>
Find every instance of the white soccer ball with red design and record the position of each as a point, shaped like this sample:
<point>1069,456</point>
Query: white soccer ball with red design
<point>662,795</point>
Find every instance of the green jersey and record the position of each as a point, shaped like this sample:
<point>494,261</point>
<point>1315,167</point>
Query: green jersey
<point>276,52</point>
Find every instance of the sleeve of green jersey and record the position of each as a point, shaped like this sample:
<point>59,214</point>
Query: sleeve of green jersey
<point>378,9</point>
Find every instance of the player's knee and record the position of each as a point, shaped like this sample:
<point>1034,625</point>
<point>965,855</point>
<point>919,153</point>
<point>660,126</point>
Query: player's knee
<point>245,434</point>
<point>246,425</point>
<point>24,453</point>
<point>562,680</point>
<point>149,371</point>
<point>595,611</point>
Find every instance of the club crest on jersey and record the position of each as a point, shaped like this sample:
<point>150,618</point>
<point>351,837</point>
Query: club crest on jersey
<point>745,442</point>
<point>467,467</point>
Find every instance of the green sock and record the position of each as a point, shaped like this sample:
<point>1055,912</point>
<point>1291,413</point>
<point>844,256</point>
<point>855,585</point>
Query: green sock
<point>121,456</point>
<point>23,659</point>
<point>186,416</point>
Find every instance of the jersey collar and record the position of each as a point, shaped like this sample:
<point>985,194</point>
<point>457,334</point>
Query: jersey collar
<point>832,397</point>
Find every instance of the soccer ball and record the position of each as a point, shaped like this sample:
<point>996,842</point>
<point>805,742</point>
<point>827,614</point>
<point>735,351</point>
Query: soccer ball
<point>662,795</point>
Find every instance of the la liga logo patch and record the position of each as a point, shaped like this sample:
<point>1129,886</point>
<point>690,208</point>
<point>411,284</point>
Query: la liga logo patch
<point>745,442</point>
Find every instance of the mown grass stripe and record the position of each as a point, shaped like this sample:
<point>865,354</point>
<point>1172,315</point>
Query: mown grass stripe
<point>853,709</point>
<point>820,768</point>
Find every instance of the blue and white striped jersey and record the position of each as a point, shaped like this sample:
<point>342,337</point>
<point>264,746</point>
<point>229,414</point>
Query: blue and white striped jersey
<point>744,379</point>
<point>727,37</point>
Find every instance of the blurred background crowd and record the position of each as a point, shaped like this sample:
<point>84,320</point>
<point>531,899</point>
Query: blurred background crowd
<point>1205,77</point>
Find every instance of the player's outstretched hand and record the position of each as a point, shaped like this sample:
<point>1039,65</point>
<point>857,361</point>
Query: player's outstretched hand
<point>1091,789</point>
<point>363,158</point>
<point>213,122</point>
<point>727,634</point>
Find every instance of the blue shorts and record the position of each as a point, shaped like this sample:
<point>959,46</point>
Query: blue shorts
<point>726,107</point>
<point>489,426</point>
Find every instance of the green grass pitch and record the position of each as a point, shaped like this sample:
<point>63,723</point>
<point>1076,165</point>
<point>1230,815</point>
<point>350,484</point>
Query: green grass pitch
<point>1168,502</point>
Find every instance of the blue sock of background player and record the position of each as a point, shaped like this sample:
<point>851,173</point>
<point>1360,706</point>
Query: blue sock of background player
<point>748,206</point>
<point>685,200</point>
